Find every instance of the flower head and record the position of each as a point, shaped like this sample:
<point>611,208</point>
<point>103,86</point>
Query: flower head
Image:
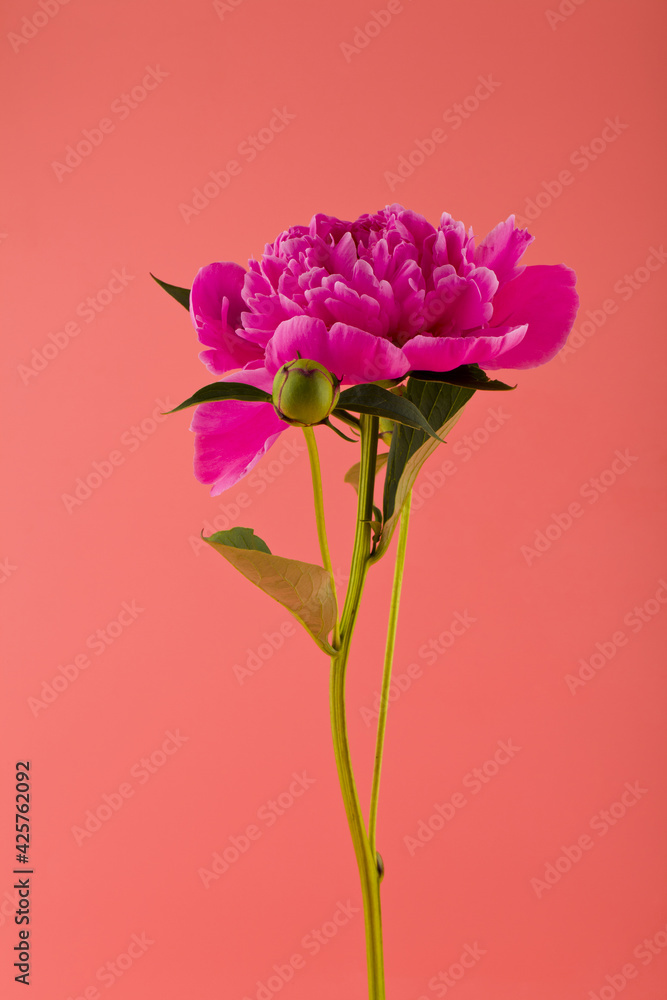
<point>368,300</point>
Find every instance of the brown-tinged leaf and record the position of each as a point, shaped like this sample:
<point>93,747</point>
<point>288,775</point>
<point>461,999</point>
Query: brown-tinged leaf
<point>303,588</point>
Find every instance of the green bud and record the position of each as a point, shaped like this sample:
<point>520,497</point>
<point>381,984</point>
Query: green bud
<point>386,429</point>
<point>387,425</point>
<point>304,392</point>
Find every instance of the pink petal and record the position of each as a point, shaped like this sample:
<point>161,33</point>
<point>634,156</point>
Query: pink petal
<point>502,248</point>
<point>344,256</point>
<point>543,296</point>
<point>215,308</point>
<point>352,355</point>
<point>442,354</point>
<point>231,436</point>
<point>410,224</point>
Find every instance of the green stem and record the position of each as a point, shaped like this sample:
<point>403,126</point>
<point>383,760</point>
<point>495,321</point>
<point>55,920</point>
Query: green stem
<point>318,497</point>
<point>366,857</point>
<point>388,660</point>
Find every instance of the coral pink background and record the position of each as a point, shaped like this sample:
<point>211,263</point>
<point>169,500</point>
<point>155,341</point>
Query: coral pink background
<point>359,101</point>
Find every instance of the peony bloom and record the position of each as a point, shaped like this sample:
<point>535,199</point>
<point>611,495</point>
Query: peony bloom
<point>369,300</point>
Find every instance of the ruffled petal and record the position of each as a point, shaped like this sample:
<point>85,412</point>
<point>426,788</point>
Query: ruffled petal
<point>215,309</point>
<point>231,436</point>
<point>502,249</point>
<point>442,354</point>
<point>352,355</point>
<point>544,297</point>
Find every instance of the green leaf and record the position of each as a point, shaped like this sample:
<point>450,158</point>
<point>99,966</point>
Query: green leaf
<point>442,404</point>
<point>388,383</point>
<point>370,398</point>
<point>217,391</point>
<point>348,419</point>
<point>338,431</point>
<point>303,588</point>
<point>181,295</point>
<point>352,475</point>
<point>240,538</point>
<point>470,376</point>
<point>376,525</point>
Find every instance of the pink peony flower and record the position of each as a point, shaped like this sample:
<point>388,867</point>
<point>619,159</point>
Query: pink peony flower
<point>370,300</point>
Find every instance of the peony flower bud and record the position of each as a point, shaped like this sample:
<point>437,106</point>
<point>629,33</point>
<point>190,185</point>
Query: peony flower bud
<point>386,429</point>
<point>387,425</point>
<point>304,392</point>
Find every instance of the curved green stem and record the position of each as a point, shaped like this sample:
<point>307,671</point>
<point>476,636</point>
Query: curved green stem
<point>366,857</point>
<point>388,660</point>
<point>318,497</point>
<point>362,537</point>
